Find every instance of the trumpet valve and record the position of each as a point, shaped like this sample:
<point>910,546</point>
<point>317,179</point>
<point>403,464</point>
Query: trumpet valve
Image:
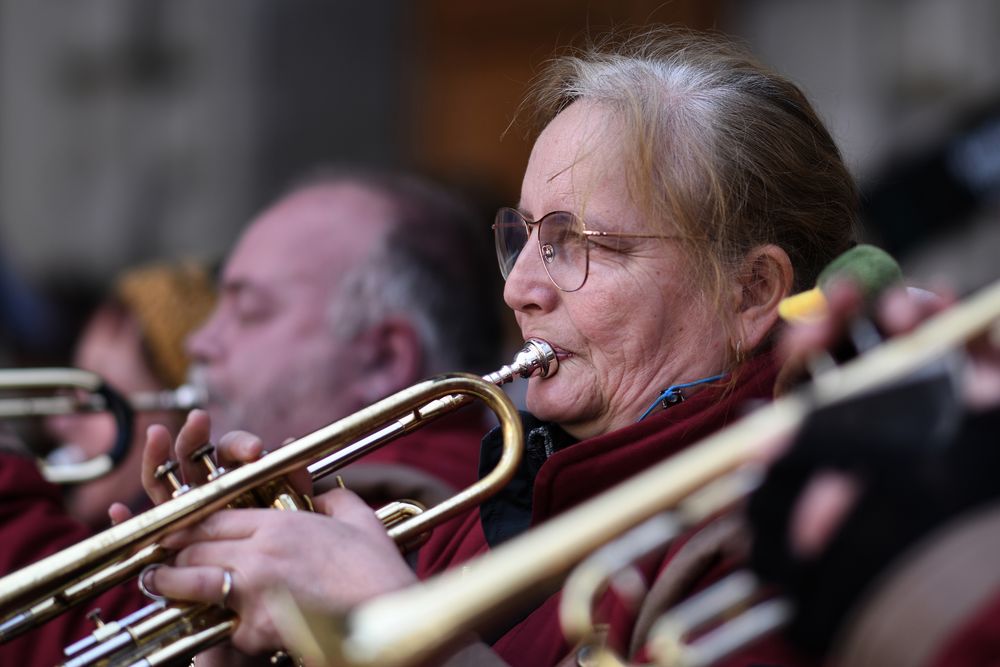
<point>281,495</point>
<point>205,455</point>
<point>168,471</point>
<point>94,616</point>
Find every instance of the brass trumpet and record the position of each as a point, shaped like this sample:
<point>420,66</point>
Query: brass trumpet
<point>76,391</point>
<point>49,586</point>
<point>405,627</point>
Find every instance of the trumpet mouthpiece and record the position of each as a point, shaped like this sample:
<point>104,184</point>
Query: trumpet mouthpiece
<point>184,397</point>
<point>536,358</point>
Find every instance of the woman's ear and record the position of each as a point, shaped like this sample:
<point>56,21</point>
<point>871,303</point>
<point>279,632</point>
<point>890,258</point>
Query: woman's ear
<point>764,279</point>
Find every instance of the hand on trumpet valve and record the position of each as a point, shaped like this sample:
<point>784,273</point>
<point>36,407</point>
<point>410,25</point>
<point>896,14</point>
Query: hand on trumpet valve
<point>194,459</point>
<point>260,548</point>
<point>263,549</point>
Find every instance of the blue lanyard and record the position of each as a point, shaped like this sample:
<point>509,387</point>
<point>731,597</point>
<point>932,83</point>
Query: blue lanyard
<point>673,395</point>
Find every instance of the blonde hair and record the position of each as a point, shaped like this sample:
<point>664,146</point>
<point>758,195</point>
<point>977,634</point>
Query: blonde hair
<point>716,147</point>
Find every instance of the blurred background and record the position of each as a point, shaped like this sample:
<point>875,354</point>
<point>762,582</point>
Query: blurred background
<point>134,130</point>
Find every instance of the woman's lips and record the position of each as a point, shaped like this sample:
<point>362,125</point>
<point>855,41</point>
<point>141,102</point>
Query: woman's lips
<point>561,353</point>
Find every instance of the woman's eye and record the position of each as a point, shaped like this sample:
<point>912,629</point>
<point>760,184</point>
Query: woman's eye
<point>611,243</point>
<point>575,240</point>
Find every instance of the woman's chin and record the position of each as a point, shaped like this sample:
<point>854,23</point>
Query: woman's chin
<point>548,402</point>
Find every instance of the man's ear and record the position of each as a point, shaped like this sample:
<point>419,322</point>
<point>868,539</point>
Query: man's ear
<point>764,279</point>
<point>392,358</point>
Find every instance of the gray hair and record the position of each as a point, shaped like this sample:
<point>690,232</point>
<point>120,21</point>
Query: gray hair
<point>391,283</point>
<point>715,146</point>
<point>433,267</point>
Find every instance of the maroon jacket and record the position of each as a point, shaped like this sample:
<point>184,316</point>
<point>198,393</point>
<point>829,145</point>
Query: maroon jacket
<point>448,449</point>
<point>976,643</point>
<point>570,473</point>
<point>34,524</point>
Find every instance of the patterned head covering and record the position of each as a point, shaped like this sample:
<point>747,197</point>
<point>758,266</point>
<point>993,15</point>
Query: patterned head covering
<point>169,301</point>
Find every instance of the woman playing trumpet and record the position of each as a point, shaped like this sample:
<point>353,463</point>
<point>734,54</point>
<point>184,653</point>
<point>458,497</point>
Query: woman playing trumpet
<point>677,193</point>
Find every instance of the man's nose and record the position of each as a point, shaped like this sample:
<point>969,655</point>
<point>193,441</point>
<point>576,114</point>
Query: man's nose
<point>205,343</point>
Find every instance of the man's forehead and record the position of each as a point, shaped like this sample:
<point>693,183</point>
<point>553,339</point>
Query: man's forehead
<point>339,205</point>
<point>313,233</point>
<point>265,267</point>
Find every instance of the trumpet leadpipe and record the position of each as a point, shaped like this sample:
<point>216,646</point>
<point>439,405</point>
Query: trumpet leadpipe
<point>184,397</point>
<point>536,358</point>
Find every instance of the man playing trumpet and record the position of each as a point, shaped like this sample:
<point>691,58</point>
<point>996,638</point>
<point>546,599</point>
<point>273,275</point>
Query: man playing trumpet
<point>352,286</point>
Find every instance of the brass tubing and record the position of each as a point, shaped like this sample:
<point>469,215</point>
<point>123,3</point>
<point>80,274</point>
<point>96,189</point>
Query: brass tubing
<point>736,598</point>
<point>53,573</point>
<point>129,636</point>
<point>404,627</point>
<point>184,397</point>
<point>84,589</point>
<point>41,378</point>
<point>593,575</point>
<point>185,647</point>
<point>171,634</point>
<point>109,631</point>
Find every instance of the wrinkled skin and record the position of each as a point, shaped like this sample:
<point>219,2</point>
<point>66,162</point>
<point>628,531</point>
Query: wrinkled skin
<point>637,325</point>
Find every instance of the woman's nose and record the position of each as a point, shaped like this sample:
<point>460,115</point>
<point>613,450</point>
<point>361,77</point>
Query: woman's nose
<point>528,288</point>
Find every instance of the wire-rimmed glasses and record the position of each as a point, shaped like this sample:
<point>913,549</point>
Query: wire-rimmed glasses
<point>563,244</point>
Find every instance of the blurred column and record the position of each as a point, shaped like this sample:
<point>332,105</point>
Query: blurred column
<point>140,128</point>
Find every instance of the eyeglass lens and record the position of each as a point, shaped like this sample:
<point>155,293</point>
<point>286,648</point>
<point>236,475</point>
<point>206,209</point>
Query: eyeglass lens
<point>561,243</point>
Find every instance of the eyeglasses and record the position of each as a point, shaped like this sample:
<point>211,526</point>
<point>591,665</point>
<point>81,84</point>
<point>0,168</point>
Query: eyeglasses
<point>563,244</point>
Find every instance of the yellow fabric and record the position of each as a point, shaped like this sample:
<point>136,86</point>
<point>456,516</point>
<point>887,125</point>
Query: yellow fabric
<point>169,301</point>
<point>807,306</point>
